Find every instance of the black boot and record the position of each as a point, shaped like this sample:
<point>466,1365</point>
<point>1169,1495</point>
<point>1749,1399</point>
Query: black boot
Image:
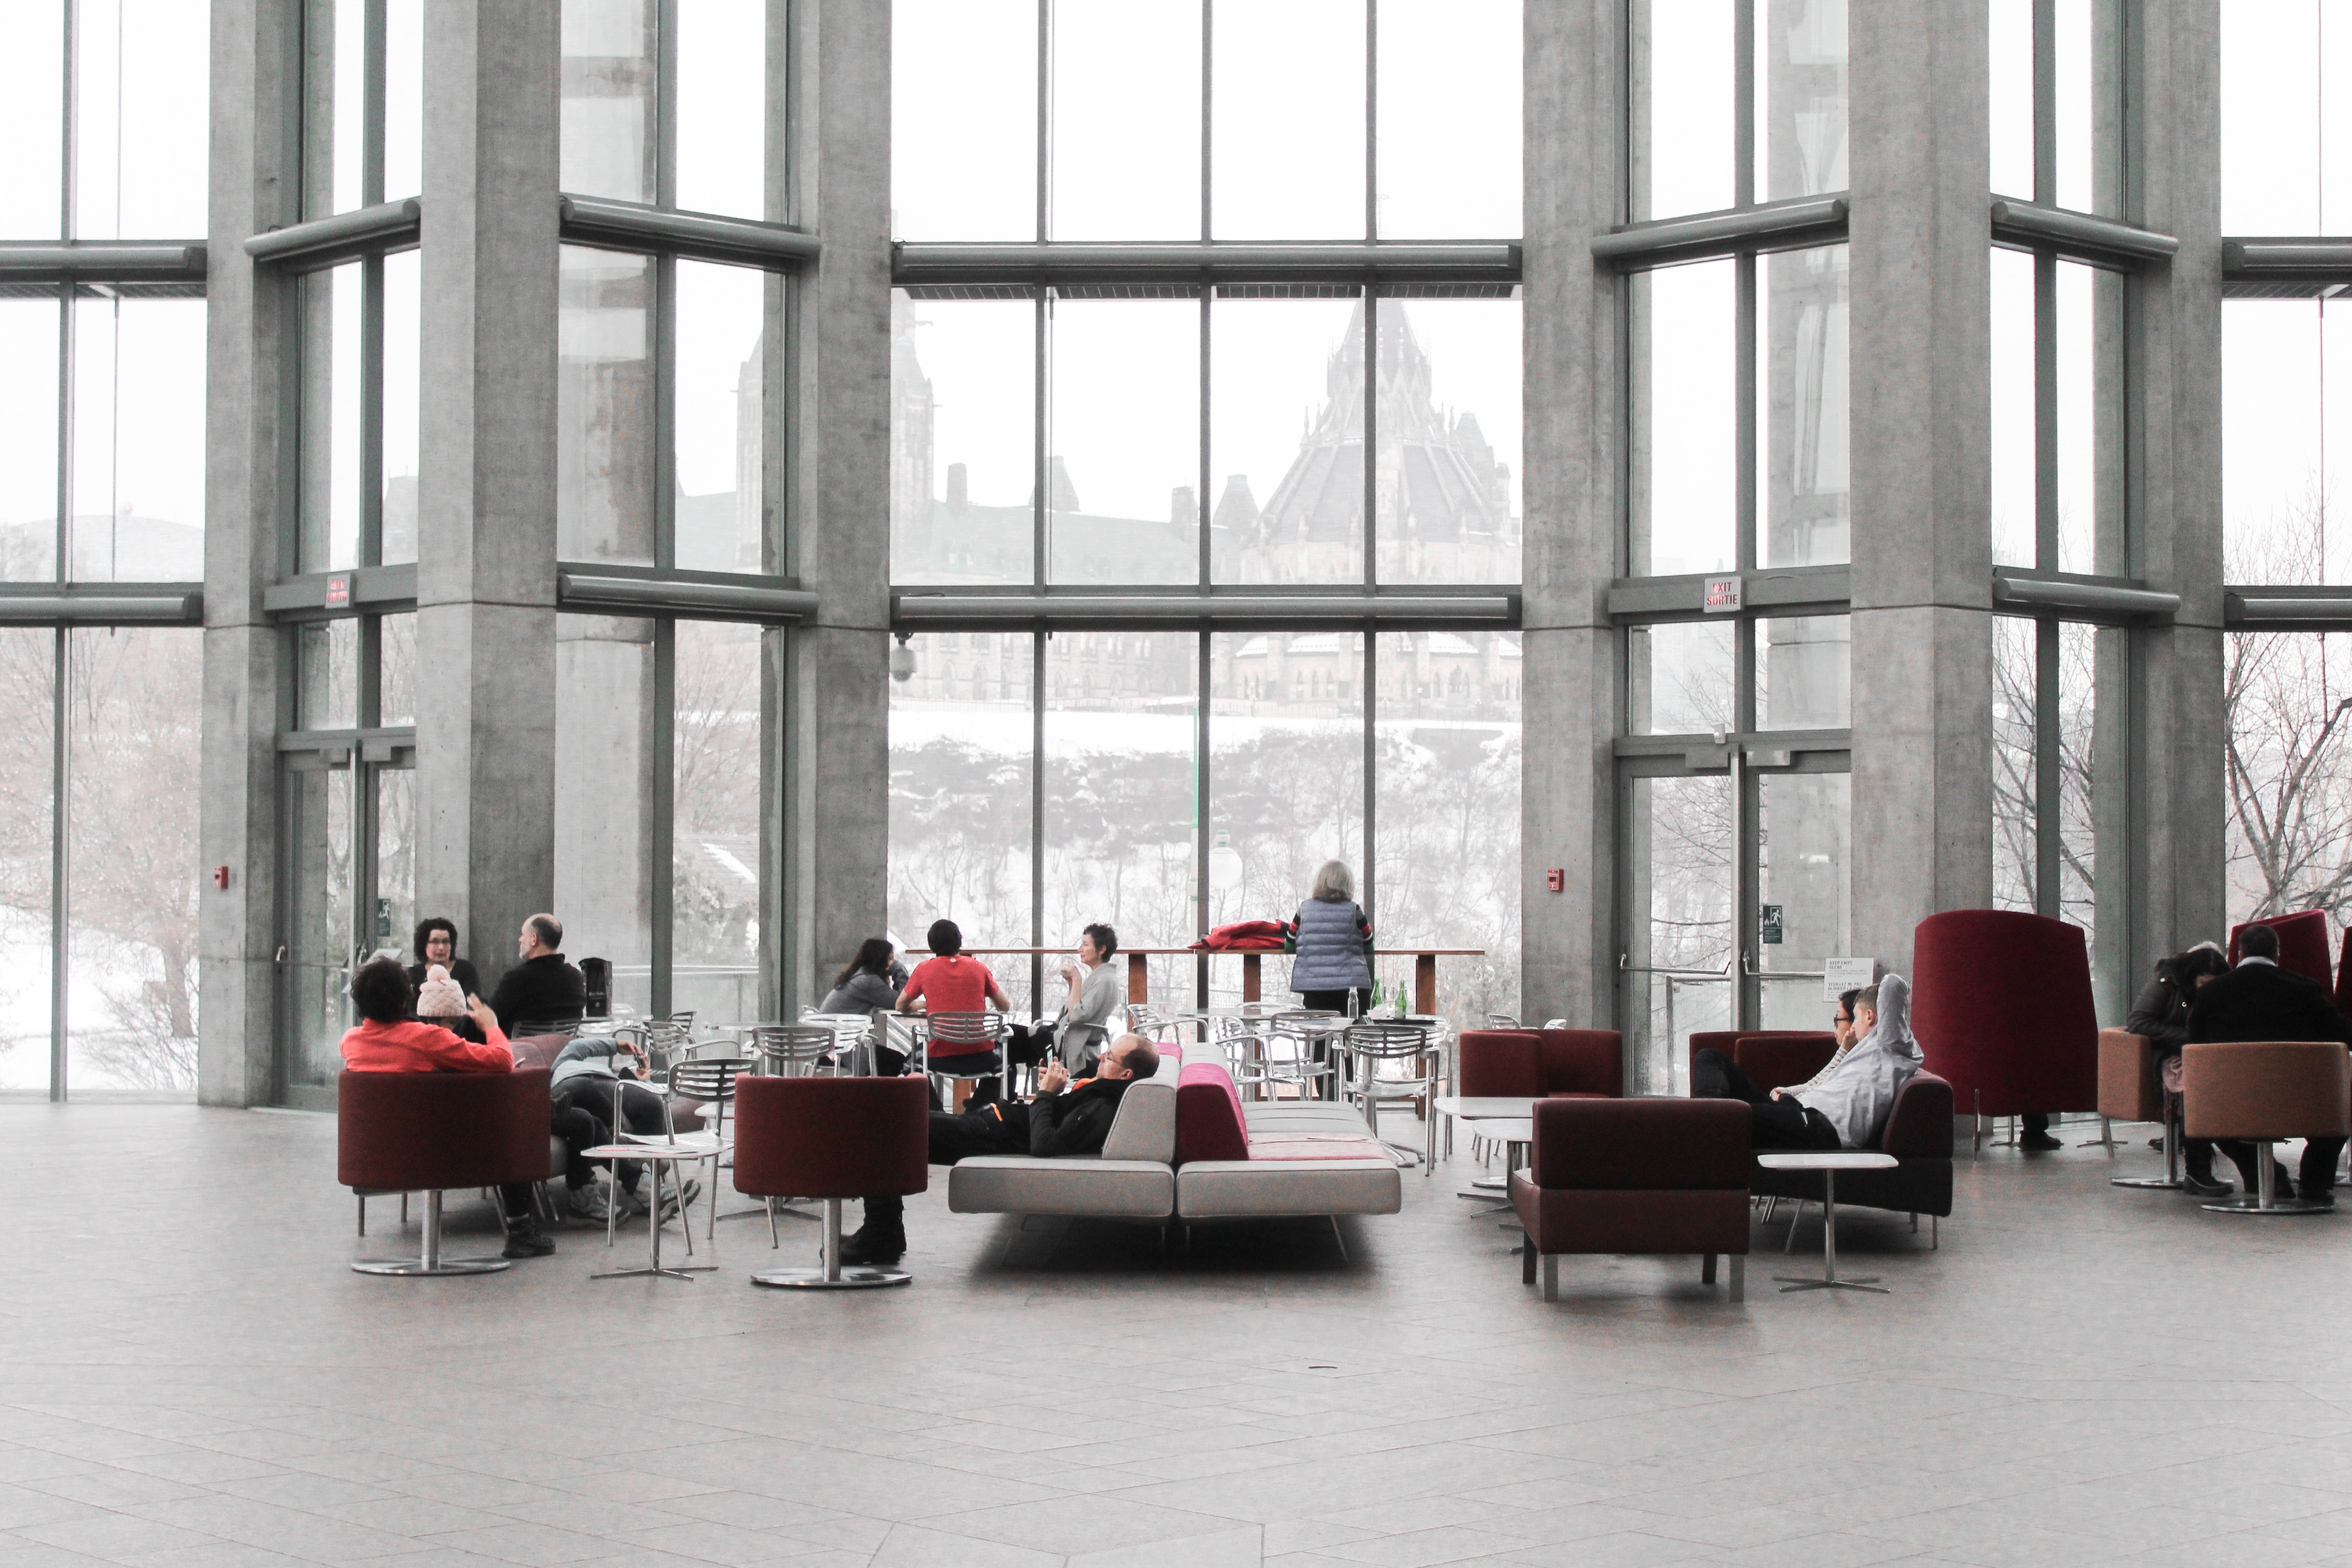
<point>882,1238</point>
<point>2033,1134</point>
<point>2196,1178</point>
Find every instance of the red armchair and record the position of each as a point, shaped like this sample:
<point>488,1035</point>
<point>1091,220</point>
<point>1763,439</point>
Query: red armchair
<point>1772,1057</point>
<point>1653,1176</point>
<point>1544,1063</point>
<point>2302,943</point>
<point>2001,1004</point>
<point>432,1132</point>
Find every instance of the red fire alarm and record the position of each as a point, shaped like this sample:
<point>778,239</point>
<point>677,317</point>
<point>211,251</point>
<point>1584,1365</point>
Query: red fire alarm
<point>1556,878</point>
<point>220,876</point>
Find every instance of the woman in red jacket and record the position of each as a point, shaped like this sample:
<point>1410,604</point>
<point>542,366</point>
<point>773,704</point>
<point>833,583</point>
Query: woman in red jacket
<point>388,1041</point>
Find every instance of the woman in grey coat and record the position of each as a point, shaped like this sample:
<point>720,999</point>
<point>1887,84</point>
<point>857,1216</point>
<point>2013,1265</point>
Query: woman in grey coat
<point>1331,966</point>
<point>869,985</point>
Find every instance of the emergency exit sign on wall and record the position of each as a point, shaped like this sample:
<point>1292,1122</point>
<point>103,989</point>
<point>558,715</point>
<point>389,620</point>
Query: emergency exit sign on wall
<point>1722,595</point>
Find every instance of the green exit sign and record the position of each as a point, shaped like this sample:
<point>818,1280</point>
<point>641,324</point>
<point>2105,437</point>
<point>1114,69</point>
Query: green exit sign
<point>1773,923</point>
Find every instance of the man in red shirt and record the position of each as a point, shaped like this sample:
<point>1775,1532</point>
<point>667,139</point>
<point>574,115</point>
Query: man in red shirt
<point>388,1041</point>
<point>947,982</point>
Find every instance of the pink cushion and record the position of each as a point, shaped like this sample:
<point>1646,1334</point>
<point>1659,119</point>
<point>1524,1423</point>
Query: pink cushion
<point>1267,1145</point>
<point>1209,1124</point>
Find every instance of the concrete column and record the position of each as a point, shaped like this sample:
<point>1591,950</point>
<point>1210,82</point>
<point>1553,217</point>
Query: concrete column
<point>486,561</point>
<point>1922,469</point>
<point>834,674</point>
<point>2177,729</point>
<point>1569,690</point>
<point>253,80</point>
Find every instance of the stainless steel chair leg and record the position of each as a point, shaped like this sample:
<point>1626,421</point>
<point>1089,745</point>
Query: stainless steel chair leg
<point>1738,1277</point>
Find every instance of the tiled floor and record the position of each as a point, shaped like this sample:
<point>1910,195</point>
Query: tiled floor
<point>189,1377</point>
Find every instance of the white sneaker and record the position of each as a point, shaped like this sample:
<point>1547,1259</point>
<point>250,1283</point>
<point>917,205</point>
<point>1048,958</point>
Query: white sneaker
<point>589,1204</point>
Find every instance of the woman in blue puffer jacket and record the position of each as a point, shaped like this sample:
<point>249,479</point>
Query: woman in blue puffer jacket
<point>1333,967</point>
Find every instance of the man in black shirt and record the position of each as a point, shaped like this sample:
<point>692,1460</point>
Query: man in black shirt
<point>2259,1000</point>
<point>542,988</point>
<point>1065,1118</point>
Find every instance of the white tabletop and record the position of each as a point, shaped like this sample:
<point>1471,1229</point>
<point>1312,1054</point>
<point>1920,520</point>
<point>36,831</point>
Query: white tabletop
<point>649,1152</point>
<point>1486,1107</point>
<point>1828,1160</point>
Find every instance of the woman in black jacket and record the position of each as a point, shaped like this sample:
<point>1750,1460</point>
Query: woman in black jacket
<point>2161,1014</point>
<point>436,941</point>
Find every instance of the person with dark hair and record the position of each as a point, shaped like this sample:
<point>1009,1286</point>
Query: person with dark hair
<point>435,946</point>
<point>387,1040</point>
<point>2260,1001</point>
<point>865,986</point>
<point>947,982</point>
<point>2161,1013</point>
<point>1845,1107</point>
<point>543,987</point>
<point>1069,1116</point>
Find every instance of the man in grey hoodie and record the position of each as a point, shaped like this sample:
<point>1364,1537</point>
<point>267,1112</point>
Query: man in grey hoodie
<point>1844,1107</point>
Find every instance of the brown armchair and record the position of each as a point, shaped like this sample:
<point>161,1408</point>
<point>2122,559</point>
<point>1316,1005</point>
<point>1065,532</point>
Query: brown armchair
<point>1772,1057</point>
<point>432,1132</point>
<point>1636,1176</point>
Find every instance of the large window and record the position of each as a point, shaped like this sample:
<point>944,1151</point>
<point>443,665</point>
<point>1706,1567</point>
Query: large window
<point>102,481</point>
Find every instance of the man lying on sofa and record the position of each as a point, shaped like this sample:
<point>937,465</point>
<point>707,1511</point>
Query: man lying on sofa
<point>1065,1118</point>
<point>1846,1106</point>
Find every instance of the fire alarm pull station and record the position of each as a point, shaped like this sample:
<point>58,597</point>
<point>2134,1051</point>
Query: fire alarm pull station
<point>1556,878</point>
<point>220,876</point>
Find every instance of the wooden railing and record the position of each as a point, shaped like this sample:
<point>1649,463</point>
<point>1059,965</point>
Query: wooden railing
<point>1139,971</point>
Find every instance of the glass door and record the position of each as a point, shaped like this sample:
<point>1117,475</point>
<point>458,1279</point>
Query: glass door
<point>1734,887</point>
<point>351,892</point>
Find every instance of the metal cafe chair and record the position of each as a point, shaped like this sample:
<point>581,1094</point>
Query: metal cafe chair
<point>1315,1076</point>
<point>1372,1049</point>
<point>703,1082</point>
<point>974,1035</point>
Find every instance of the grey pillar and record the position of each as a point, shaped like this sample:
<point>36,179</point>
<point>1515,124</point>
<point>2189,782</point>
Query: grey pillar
<point>1570,691</point>
<point>247,326</point>
<point>485,559</point>
<point>2177,729</point>
<point>1922,469</point>
<point>834,809</point>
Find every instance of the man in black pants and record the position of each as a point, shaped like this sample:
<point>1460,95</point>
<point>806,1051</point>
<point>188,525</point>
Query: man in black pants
<point>1065,1118</point>
<point>2259,1000</point>
<point>1846,1104</point>
<point>1780,1122</point>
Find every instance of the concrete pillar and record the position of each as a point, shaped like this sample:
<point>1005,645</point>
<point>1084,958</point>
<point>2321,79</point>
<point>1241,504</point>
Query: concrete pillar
<point>253,80</point>
<point>485,561</point>
<point>2177,729</point>
<point>1569,940</point>
<point>833,862</point>
<point>1921,230</point>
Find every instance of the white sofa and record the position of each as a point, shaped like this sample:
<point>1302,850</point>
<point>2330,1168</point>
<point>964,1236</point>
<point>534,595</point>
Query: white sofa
<point>1297,1160</point>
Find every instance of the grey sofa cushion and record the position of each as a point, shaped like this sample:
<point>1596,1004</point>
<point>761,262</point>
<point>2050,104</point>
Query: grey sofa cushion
<point>1019,1184</point>
<point>1319,1116</point>
<point>1220,1189</point>
<point>1145,1127</point>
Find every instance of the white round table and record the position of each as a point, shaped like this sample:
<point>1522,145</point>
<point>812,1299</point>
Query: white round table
<point>1828,1162</point>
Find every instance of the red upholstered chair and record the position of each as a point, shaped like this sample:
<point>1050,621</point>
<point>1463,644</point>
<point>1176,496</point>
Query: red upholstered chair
<point>2302,943</point>
<point>433,1132</point>
<point>1650,1176</point>
<point>832,1138</point>
<point>1539,1063</point>
<point>1772,1057</point>
<point>2001,1003</point>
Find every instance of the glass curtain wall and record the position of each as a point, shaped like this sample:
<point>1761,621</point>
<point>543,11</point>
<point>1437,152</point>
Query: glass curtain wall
<point>2286,83</point>
<point>1732,799</point>
<point>2060,502</point>
<point>1333,436</point>
<point>102,480</point>
<point>665,367</point>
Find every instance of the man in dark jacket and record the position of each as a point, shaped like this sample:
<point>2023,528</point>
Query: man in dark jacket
<point>542,988</point>
<point>2259,1000</point>
<point>1065,1118</point>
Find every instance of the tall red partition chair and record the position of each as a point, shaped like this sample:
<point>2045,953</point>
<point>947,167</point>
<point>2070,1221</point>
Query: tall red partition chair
<point>2001,1003</point>
<point>436,1131</point>
<point>2302,943</point>
<point>832,1138</point>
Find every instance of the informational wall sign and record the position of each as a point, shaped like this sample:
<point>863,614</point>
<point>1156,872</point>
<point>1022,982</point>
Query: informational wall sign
<point>1843,974</point>
<point>1772,924</point>
<point>1722,595</point>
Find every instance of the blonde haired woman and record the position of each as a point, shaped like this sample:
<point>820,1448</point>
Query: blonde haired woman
<point>1333,940</point>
